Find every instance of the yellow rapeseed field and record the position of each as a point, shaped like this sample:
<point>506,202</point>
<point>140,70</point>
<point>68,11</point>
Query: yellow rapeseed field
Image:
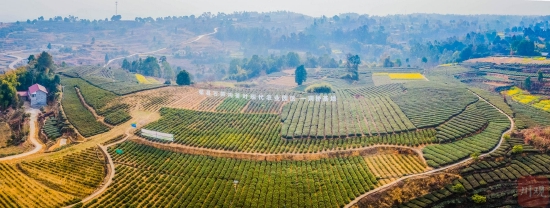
<point>524,97</point>
<point>513,91</point>
<point>141,79</point>
<point>536,58</point>
<point>406,76</point>
<point>544,105</point>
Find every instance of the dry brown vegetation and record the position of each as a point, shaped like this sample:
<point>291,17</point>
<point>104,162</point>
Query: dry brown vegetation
<point>210,104</point>
<point>406,190</point>
<point>13,150</point>
<point>5,134</point>
<point>17,189</point>
<point>389,167</point>
<point>17,122</point>
<point>153,100</point>
<point>285,81</point>
<point>78,174</point>
<point>538,137</point>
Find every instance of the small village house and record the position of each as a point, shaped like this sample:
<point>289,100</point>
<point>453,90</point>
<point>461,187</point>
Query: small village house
<point>37,95</point>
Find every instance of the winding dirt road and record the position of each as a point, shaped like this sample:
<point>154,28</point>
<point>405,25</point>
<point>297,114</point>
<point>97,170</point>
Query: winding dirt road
<point>17,59</point>
<point>108,180</point>
<point>273,157</point>
<point>162,49</point>
<point>12,65</point>
<point>512,124</point>
<point>32,135</point>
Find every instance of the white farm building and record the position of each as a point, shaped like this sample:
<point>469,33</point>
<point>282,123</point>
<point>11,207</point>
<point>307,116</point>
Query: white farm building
<point>37,95</point>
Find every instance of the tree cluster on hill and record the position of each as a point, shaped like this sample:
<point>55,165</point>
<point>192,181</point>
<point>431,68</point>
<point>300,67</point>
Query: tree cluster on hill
<point>167,71</point>
<point>397,63</point>
<point>366,34</point>
<point>148,67</point>
<point>300,75</point>
<point>314,39</point>
<point>356,38</point>
<point>116,17</point>
<point>8,91</point>
<point>352,66</point>
<point>249,37</point>
<point>242,69</point>
<point>527,84</point>
<point>41,71</point>
<point>323,61</point>
<point>183,78</point>
<point>38,71</point>
<point>302,41</point>
<point>517,41</point>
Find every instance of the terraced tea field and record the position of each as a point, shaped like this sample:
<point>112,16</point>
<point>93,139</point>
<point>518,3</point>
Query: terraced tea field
<point>105,103</point>
<point>82,119</point>
<point>388,167</point>
<point>444,154</point>
<point>20,190</point>
<point>77,174</point>
<point>66,180</point>
<point>322,183</point>
<point>493,178</point>
<point>441,104</point>
<point>116,80</point>
<point>466,123</point>
<point>261,133</point>
<point>351,115</point>
<point>260,150</point>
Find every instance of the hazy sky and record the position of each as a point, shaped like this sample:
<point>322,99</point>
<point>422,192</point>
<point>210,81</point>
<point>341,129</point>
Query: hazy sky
<point>13,10</point>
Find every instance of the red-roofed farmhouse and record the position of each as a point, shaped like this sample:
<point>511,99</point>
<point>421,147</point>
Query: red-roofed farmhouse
<point>37,95</point>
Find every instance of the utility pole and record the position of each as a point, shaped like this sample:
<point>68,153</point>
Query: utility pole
<point>116,7</point>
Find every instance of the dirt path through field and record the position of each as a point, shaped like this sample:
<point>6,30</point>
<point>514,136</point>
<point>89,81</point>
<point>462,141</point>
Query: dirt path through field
<point>18,60</point>
<point>512,124</point>
<point>108,180</point>
<point>272,157</point>
<point>92,110</point>
<point>33,133</point>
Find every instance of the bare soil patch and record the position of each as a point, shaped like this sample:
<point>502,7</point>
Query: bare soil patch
<point>5,134</point>
<point>502,76</point>
<point>496,84</point>
<point>287,81</point>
